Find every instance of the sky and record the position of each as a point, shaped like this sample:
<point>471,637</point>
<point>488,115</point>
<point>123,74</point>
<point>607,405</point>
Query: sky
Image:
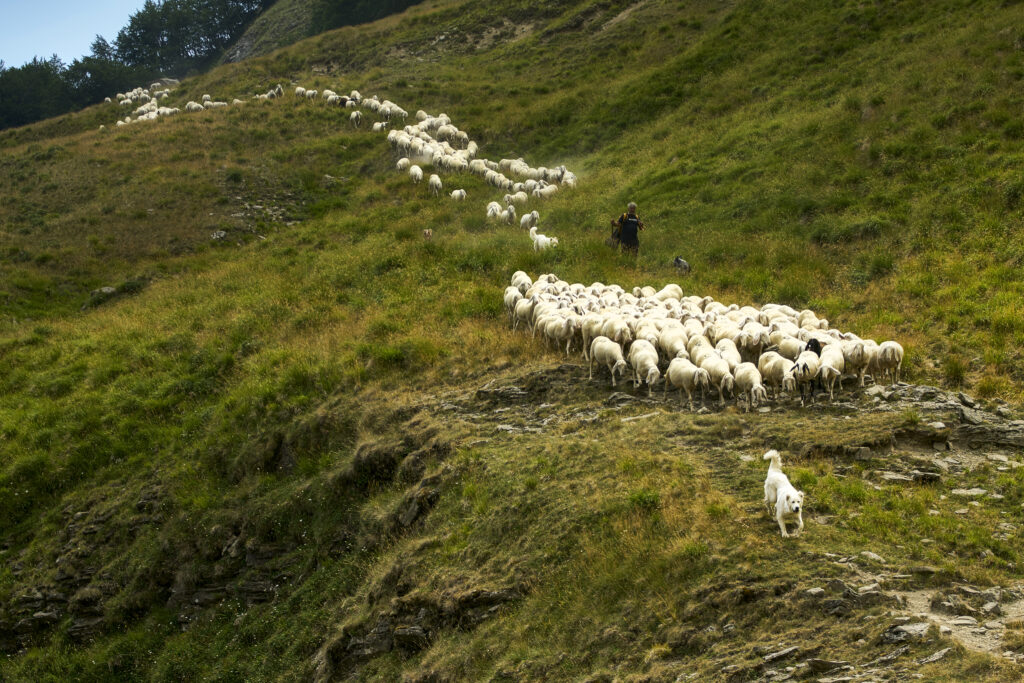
<point>31,28</point>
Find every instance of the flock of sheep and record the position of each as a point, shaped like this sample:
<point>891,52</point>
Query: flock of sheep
<point>432,141</point>
<point>696,343</point>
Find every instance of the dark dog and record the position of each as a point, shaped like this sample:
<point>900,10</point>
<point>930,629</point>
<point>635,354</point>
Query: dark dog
<point>681,265</point>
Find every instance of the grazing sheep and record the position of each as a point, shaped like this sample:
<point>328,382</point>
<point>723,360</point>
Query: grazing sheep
<point>529,220</point>
<point>831,365</point>
<point>403,164</point>
<point>434,184</point>
<point>608,353</point>
<point>510,214</point>
<point>459,195</point>
<point>494,210</point>
<point>300,91</point>
<point>805,371</point>
<point>888,361</point>
<point>416,173</point>
<point>750,386</point>
<point>688,377</point>
<point>719,376</point>
<point>379,126</point>
<point>643,357</point>
<point>428,233</point>
<point>356,118</point>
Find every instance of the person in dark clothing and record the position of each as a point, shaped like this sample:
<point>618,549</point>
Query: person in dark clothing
<point>628,227</point>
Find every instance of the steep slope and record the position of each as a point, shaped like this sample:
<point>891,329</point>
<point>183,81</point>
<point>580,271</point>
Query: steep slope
<point>313,448</point>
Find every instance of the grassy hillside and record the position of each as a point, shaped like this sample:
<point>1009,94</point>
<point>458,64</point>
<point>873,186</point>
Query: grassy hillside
<point>288,453</point>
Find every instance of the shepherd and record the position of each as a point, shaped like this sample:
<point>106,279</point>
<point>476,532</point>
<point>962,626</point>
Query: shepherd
<point>627,230</point>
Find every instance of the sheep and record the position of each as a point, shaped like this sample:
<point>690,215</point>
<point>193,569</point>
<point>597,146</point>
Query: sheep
<point>521,281</point>
<point>510,214</point>
<point>416,173</point>
<point>523,313</point>
<point>459,195</point>
<point>205,98</point>
<point>434,184</point>
<point>719,376</point>
<point>193,107</point>
<point>688,377</point>
<point>727,350</point>
<point>805,371</point>
<point>790,347</point>
<point>644,359</point>
<point>379,126</point>
<point>300,91</point>
<point>355,118</point>
<point>888,361</point>
<point>529,220</point>
<point>616,329</point>
<point>494,210</point>
<point>608,353</point>
<point>831,365</point>
<point>541,242</point>
<point>749,385</point>
<point>403,164</point>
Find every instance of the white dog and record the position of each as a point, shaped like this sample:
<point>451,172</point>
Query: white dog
<point>540,241</point>
<point>782,495</point>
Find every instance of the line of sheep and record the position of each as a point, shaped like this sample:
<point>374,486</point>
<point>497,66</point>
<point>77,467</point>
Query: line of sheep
<point>432,141</point>
<point>696,343</point>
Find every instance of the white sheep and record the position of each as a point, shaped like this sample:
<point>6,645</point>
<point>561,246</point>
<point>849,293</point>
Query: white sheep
<point>831,366</point>
<point>529,220</point>
<point>644,359</point>
<point>434,184</point>
<point>719,376</point>
<point>494,210</point>
<point>688,377</point>
<point>749,384</point>
<point>888,361</point>
<point>355,118</point>
<point>379,126</point>
<point>608,353</point>
<point>300,91</point>
<point>805,371</point>
<point>403,164</point>
<point>416,173</point>
<point>459,195</point>
<point>510,214</point>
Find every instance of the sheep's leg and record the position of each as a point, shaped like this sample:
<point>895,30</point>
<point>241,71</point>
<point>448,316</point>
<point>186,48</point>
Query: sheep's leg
<point>590,367</point>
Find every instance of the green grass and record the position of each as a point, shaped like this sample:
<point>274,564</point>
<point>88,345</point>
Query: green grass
<point>854,159</point>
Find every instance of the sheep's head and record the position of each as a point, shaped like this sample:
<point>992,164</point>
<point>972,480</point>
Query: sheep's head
<point>789,380</point>
<point>619,367</point>
<point>652,376</point>
<point>759,395</point>
<point>702,379</point>
<point>728,384</point>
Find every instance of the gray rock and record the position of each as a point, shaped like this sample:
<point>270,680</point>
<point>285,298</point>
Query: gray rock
<point>876,390</point>
<point>966,400</point>
<point>903,632</point>
<point>867,554</point>
<point>937,426</point>
<point>964,621</point>
<point>870,588</point>
<point>815,592</point>
<point>781,654</point>
<point>972,417</point>
<point>925,477</point>
<point>931,659</point>
<point>940,446</point>
<point>968,493</point>
<point>895,477</point>
<point>891,657</point>
<point>824,665</point>
<point>411,638</point>
<point>1003,411</point>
